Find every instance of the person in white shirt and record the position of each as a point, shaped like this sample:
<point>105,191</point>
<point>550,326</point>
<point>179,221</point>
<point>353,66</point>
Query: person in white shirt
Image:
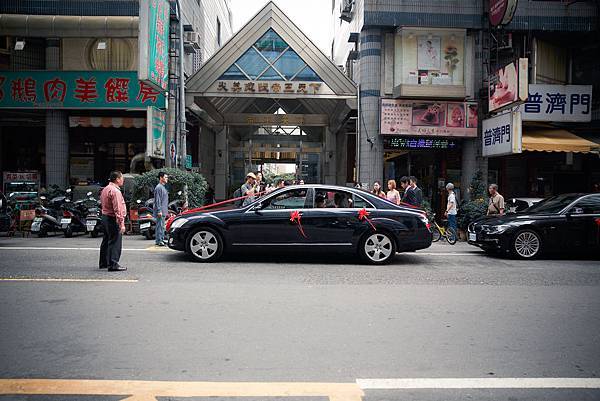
<point>451,208</point>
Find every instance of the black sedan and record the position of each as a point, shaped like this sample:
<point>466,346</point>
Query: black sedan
<point>569,222</point>
<point>305,218</point>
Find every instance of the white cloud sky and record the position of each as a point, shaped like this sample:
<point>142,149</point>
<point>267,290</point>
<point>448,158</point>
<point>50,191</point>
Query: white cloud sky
<point>311,16</point>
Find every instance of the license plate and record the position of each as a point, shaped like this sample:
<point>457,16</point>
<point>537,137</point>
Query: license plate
<point>65,221</point>
<point>472,237</point>
<point>143,226</point>
<point>90,223</point>
<point>37,220</point>
<point>35,226</point>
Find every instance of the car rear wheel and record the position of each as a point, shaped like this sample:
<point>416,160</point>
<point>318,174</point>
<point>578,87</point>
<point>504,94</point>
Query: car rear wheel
<point>205,245</point>
<point>377,248</point>
<point>527,244</point>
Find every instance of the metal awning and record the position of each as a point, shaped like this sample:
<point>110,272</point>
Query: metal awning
<point>556,140</point>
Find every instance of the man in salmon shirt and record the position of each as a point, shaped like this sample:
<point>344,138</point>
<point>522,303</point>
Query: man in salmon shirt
<point>113,223</point>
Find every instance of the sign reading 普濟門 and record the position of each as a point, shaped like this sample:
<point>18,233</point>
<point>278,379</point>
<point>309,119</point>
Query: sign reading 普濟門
<point>153,43</point>
<point>502,134</point>
<point>410,117</point>
<point>571,103</point>
<point>156,135</point>
<point>77,90</point>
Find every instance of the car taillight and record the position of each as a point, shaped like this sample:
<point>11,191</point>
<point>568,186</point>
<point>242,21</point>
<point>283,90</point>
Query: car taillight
<point>66,213</point>
<point>169,222</point>
<point>428,225</point>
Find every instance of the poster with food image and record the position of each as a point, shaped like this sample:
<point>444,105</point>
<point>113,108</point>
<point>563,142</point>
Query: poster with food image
<point>428,114</point>
<point>431,118</point>
<point>456,115</point>
<point>429,53</point>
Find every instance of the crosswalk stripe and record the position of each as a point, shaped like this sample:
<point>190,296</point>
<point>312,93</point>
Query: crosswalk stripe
<point>479,383</point>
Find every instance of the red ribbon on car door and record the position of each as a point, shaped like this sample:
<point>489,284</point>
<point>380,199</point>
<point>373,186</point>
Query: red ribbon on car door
<point>364,215</point>
<point>296,217</point>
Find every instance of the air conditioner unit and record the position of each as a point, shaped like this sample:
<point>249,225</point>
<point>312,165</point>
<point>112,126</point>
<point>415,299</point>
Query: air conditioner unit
<point>191,42</point>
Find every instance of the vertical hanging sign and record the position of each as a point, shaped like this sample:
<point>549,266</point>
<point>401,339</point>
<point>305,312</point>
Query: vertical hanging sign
<point>153,43</point>
<point>156,134</point>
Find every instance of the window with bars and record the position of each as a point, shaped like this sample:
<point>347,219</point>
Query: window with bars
<point>270,59</point>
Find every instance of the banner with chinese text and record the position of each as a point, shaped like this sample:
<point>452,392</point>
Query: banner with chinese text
<point>153,43</point>
<point>156,127</point>
<point>572,103</point>
<point>433,118</point>
<point>77,90</point>
<point>502,135</point>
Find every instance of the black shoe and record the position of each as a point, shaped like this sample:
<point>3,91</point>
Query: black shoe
<point>103,267</point>
<point>117,268</point>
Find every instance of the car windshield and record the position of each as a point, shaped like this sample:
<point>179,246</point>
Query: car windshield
<point>553,204</point>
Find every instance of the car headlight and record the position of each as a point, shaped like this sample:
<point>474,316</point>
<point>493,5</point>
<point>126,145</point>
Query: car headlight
<point>178,223</point>
<point>496,229</point>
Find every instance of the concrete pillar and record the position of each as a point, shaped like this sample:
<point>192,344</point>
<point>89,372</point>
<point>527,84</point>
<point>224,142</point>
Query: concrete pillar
<point>370,147</point>
<point>330,157</point>
<point>57,129</point>
<point>221,164</point>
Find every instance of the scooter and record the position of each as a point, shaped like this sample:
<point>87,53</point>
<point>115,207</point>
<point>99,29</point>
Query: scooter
<point>77,212</point>
<point>146,215</point>
<point>49,218</point>
<point>93,218</point>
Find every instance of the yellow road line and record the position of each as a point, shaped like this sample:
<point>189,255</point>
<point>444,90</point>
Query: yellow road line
<point>149,390</point>
<point>71,280</point>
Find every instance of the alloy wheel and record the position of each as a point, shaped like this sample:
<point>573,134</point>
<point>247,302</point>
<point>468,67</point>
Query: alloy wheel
<point>378,247</point>
<point>204,245</point>
<point>527,244</point>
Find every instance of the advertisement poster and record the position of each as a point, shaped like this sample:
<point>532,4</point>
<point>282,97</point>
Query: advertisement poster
<point>429,53</point>
<point>408,117</point>
<point>502,135</point>
<point>153,43</point>
<point>156,133</point>
<point>508,85</point>
<point>558,103</point>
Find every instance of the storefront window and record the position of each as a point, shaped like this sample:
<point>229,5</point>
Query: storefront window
<point>429,57</point>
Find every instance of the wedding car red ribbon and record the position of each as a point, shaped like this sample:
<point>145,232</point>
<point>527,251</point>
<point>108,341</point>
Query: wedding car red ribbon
<point>296,217</point>
<point>364,215</point>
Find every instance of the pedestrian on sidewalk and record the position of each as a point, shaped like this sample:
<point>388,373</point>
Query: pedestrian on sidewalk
<point>249,189</point>
<point>377,191</point>
<point>404,184</point>
<point>393,195</point>
<point>161,207</point>
<point>451,208</point>
<point>414,194</point>
<point>113,223</point>
<point>496,202</point>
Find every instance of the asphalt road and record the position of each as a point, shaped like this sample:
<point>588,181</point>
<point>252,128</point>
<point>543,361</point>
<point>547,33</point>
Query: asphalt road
<point>448,312</point>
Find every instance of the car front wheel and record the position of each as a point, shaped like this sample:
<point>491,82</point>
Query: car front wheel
<point>527,244</point>
<point>205,245</point>
<point>377,248</point>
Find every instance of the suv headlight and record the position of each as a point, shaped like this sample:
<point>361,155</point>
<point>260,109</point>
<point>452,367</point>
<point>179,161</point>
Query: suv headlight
<point>496,229</point>
<point>178,223</point>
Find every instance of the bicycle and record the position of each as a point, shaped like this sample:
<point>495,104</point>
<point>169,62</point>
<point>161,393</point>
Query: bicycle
<point>439,231</point>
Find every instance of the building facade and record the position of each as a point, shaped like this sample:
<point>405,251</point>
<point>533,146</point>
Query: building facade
<point>423,71</point>
<point>72,107</point>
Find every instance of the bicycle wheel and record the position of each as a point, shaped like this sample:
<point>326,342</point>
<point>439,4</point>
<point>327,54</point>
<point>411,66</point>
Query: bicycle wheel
<point>451,236</point>
<point>436,235</point>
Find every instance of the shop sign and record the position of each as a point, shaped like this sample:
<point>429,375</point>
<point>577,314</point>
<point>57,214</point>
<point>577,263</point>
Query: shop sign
<point>568,103</point>
<point>409,117</point>
<point>156,133</point>
<point>29,176</point>
<point>77,90</point>
<point>401,142</point>
<point>188,162</point>
<point>502,11</point>
<point>508,85</point>
<point>270,87</point>
<point>153,43</point>
<point>502,134</point>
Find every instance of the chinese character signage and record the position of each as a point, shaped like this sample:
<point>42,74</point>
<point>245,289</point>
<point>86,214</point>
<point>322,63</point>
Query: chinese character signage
<point>508,85</point>
<point>29,176</point>
<point>77,90</point>
<point>571,103</point>
<point>401,142</point>
<point>156,134</point>
<point>280,88</point>
<point>409,117</point>
<point>153,43</point>
<point>502,135</point>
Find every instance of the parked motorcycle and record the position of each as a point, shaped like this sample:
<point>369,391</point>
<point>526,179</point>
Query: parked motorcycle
<point>93,218</point>
<point>146,214</point>
<point>50,218</point>
<point>78,212</point>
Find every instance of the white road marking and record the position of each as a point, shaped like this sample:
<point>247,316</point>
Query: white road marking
<point>51,248</point>
<point>483,383</point>
<point>443,253</point>
<point>71,280</point>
